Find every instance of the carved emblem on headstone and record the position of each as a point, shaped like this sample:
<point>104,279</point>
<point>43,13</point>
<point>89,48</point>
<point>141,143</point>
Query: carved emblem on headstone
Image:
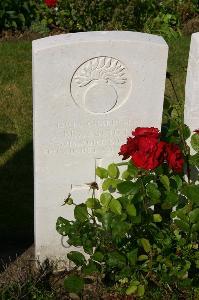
<point>100,84</point>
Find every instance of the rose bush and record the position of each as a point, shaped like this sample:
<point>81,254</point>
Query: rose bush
<point>142,230</point>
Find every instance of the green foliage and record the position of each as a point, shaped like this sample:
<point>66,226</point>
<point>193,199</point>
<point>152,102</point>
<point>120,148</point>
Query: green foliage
<point>73,284</point>
<point>144,232</point>
<point>17,14</point>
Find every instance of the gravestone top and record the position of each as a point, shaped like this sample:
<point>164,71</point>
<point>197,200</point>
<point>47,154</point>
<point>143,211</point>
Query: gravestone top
<point>64,39</point>
<point>89,91</point>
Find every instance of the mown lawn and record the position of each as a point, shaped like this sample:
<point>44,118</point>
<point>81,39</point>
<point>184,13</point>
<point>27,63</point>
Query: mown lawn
<point>16,154</point>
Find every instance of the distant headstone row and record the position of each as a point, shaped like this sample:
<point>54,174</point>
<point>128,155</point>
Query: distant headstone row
<point>89,91</point>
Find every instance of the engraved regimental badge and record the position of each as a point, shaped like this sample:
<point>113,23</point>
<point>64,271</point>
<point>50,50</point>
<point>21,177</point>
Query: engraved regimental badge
<point>100,85</point>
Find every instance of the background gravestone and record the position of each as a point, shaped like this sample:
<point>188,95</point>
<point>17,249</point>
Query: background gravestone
<point>89,90</point>
<point>191,115</point>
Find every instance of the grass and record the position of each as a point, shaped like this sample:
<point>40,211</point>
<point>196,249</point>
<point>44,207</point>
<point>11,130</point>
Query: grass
<point>16,154</point>
<point>16,159</point>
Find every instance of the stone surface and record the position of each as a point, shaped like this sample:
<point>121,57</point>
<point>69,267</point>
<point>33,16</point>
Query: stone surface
<point>191,114</point>
<point>89,91</point>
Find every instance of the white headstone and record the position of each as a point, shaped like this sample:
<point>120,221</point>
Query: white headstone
<point>90,90</point>
<point>191,112</point>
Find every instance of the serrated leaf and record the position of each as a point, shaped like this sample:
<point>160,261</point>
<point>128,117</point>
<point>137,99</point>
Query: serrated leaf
<point>132,170</point>
<point>165,181</point>
<point>81,213</point>
<point>153,193</point>
<point>74,284</point>
<point>194,160</point>
<point>115,206</point>
<point>182,225</point>
<point>128,187</point>
<point>77,257</point>
<point>194,215</point>
<point>172,198</point>
<point>113,171</point>
<point>110,184</point>
<point>63,226</point>
<point>157,218</point>
<point>145,244</point>
<point>131,210</point>
<point>101,172</point>
<point>195,142</point>
<point>91,203</point>
<point>191,192</point>
<point>105,199</point>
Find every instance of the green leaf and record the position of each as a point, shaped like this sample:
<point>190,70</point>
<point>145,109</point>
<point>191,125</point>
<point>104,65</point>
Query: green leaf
<point>194,215</point>
<point>126,175</point>
<point>132,170</point>
<point>113,171</point>
<point>182,225</point>
<point>105,199</point>
<point>127,187</point>
<point>98,256</point>
<point>165,181</point>
<point>132,256</point>
<point>142,257</point>
<point>141,290</point>
<point>177,180</point>
<point>195,227</point>
<point>172,198</point>
<point>131,210</point>
<point>63,226</point>
<point>73,284</point>
<point>115,259</point>
<point>92,203</point>
<point>131,289</point>
<point>186,132</point>
<point>195,142</point>
<point>90,268</point>
<point>115,206</point>
<point>145,244</point>
<point>110,184</point>
<point>194,160</point>
<point>157,218</point>
<point>77,257</point>
<point>101,172</point>
<point>153,192</point>
<point>81,213</point>
<point>191,192</point>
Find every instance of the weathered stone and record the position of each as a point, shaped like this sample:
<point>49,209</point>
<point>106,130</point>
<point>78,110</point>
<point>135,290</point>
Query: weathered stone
<point>89,90</point>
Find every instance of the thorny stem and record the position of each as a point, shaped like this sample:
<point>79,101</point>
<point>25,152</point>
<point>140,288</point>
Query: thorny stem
<point>180,130</point>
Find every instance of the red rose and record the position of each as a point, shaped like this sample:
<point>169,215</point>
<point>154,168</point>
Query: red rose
<point>196,131</point>
<point>150,154</point>
<point>51,3</point>
<point>129,148</point>
<point>174,157</point>
<point>145,149</point>
<point>145,131</point>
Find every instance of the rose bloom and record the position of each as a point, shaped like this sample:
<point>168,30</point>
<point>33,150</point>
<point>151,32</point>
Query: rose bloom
<point>145,149</point>
<point>51,3</point>
<point>150,154</point>
<point>196,131</point>
<point>174,157</point>
<point>146,131</point>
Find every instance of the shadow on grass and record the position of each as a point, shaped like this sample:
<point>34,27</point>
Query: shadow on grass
<point>6,141</point>
<point>16,204</point>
